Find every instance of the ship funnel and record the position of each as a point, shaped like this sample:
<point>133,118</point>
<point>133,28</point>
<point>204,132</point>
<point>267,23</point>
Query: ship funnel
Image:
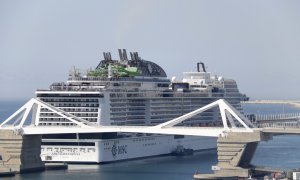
<point>203,67</point>
<point>120,54</point>
<point>107,56</point>
<point>134,56</point>
<point>123,54</point>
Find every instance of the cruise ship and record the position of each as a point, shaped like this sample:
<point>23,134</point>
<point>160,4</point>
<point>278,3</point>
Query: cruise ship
<point>131,92</point>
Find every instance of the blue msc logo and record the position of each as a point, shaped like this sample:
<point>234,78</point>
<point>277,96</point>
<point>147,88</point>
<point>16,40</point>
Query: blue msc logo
<point>115,150</point>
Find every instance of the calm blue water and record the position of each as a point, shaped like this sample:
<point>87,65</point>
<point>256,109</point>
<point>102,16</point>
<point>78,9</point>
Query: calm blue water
<point>282,152</point>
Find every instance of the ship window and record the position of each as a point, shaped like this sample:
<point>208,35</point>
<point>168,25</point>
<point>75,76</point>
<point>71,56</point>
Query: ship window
<point>162,85</point>
<point>59,136</point>
<point>178,136</point>
<point>97,135</point>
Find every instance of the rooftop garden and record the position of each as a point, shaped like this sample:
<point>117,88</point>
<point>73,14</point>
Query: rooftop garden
<point>114,70</point>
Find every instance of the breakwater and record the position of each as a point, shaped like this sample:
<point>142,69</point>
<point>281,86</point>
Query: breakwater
<point>288,102</point>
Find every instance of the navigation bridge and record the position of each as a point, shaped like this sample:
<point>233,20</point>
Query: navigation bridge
<point>20,136</point>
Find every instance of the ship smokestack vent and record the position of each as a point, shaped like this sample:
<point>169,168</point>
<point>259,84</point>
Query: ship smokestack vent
<point>131,56</point>
<point>202,65</point>
<point>120,54</point>
<point>135,56</point>
<point>107,56</point>
<point>123,54</point>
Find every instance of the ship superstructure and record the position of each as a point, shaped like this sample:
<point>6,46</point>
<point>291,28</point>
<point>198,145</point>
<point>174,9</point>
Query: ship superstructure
<point>130,92</point>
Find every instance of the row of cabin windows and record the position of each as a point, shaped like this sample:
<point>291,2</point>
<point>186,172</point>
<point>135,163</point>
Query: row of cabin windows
<point>65,120</point>
<point>74,105</point>
<point>73,110</point>
<point>70,95</point>
<point>76,114</point>
<point>70,100</point>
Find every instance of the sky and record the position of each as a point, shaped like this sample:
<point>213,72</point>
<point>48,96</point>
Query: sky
<point>254,42</point>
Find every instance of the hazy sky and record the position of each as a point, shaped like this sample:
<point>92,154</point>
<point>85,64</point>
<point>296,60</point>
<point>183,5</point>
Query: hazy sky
<point>255,42</point>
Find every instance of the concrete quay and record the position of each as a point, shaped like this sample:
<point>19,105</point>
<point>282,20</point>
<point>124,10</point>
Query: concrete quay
<point>235,152</point>
<point>19,153</point>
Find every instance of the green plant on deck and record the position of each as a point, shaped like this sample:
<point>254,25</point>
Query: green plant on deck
<point>121,71</point>
<point>117,70</point>
<point>98,72</point>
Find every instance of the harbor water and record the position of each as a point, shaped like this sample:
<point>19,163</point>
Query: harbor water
<point>281,152</point>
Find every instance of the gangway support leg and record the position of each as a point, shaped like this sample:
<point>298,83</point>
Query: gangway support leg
<point>20,153</point>
<point>235,152</point>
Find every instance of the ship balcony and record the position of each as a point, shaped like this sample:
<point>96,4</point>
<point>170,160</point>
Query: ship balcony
<point>68,99</point>
<point>180,110</point>
<point>85,115</point>
<point>129,106</point>
<point>62,120</point>
<point>72,106</point>
<point>51,119</point>
<point>174,105</point>
<point>126,116</point>
<point>58,124</point>
<point>84,110</point>
<point>127,111</point>
<point>136,122</point>
<point>77,115</point>
<point>165,115</point>
<point>73,88</point>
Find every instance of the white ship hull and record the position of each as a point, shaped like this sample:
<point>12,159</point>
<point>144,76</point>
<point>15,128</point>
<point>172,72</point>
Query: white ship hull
<point>124,149</point>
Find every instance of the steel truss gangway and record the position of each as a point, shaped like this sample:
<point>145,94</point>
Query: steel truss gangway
<point>26,121</point>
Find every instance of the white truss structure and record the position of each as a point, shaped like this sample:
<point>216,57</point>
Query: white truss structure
<point>226,110</point>
<point>17,122</point>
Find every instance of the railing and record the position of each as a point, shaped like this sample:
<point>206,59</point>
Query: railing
<point>151,79</point>
<point>272,117</point>
<point>293,125</point>
<point>290,120</point>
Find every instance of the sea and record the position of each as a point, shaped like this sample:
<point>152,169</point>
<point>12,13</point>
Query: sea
<point>281,152</point>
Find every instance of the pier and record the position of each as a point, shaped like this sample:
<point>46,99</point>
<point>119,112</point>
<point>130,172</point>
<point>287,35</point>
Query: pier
<point>236,150</point>
<point>237,137</point>
<point>19,153</point>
